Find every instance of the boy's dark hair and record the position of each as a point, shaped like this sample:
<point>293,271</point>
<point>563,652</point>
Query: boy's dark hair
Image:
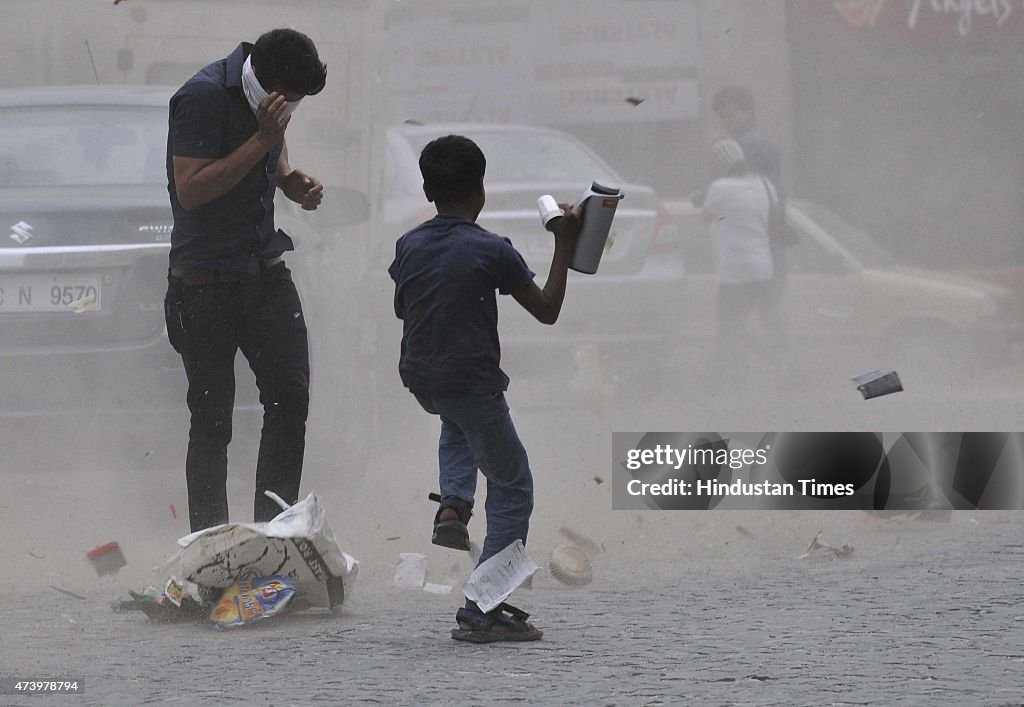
<point>287,59</point>
<point>452,167</point>
<point>738,97</point>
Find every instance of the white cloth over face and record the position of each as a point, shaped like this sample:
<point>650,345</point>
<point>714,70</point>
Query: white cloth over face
<point>740,208</point>
<point>254,92</point>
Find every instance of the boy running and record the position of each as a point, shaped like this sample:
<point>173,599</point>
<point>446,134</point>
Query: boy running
<point>446,272</point>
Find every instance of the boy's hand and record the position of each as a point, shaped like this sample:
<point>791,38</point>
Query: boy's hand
<point>567,228</point>
<point>545,304</point>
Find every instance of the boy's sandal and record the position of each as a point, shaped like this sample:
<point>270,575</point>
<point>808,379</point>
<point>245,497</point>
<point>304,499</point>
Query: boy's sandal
<point>450,533</point>
<point>496,625</point>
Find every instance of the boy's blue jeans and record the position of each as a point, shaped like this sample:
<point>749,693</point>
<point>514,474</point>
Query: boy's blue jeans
<point>477,433</point>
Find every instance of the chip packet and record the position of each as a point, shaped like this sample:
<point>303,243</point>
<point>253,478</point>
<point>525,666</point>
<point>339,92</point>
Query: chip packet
<point>249,600</point>
<point>177,591</point>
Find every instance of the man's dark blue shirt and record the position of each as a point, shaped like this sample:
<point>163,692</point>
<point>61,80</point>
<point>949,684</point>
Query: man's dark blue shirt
<point>209,119</point>
<point>446,272</point>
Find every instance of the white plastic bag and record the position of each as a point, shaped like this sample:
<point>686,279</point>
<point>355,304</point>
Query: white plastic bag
<point>298,543</point>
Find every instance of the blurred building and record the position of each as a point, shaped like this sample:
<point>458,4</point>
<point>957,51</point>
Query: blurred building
<point>897,113</point>
<point>904,115</point>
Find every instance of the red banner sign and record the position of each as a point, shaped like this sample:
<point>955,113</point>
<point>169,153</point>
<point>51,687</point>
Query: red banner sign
<point>930,20</point>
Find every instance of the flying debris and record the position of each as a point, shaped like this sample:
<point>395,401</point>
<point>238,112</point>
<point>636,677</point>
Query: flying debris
<point>879,382</point>
<point>841,551</point>
<point>570,565</point>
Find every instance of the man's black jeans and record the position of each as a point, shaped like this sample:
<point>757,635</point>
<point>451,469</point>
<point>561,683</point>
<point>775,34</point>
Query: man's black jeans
<point>207,324</point>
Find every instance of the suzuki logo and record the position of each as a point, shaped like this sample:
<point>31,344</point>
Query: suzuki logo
<point>21,232</point>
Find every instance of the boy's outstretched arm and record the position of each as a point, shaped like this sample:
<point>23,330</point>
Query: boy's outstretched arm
<point>546,304</point>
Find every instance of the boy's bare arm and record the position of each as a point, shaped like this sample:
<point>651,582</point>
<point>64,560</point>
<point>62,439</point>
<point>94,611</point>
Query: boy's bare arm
<point>546,304</point>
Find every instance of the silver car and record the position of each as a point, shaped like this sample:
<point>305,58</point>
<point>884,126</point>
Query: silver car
<point>83,264</point>
<point>615,322</point>
<point>851,307</point>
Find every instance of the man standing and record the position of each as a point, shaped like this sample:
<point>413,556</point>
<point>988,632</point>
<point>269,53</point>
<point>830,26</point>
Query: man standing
<point>228,286</point>
<point>734,106</point>
<point>738,208</point>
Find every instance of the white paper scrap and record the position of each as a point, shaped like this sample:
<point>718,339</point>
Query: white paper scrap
<point>493,581</point>
<point>411,570</point>
<point>83,305</point>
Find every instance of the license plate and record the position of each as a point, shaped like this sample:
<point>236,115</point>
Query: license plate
<point>62,292</point>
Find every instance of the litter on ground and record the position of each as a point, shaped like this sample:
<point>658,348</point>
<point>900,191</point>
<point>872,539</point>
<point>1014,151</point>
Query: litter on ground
<point>816,544</point>
<point>237,573</point>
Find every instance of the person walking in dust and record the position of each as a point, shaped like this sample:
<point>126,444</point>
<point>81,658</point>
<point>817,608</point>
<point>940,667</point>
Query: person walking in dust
<point>738,207</point>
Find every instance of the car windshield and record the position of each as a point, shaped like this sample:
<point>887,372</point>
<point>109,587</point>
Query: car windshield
<point>82,145</point>
<point>534,157</point>
<point>860,245</point>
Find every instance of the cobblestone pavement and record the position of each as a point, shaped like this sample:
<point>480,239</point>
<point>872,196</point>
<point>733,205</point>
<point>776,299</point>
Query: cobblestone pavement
<point>693,610</point>
<point>685,608</point>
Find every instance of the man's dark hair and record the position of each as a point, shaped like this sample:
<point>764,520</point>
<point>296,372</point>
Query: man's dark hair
<point>285,59</point>
<point>738,97</point>
<point>452,167</point>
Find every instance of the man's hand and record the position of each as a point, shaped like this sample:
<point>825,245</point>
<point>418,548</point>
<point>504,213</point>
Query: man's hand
<point>303,189</point>
<point>272,119</point>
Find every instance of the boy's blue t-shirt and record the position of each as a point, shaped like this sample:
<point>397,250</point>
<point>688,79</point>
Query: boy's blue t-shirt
<point>446,272</point>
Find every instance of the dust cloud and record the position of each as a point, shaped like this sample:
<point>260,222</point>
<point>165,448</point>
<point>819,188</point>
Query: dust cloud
<point>898,158</point>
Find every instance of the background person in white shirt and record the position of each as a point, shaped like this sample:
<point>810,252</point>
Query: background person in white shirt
<point>737,206</point>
